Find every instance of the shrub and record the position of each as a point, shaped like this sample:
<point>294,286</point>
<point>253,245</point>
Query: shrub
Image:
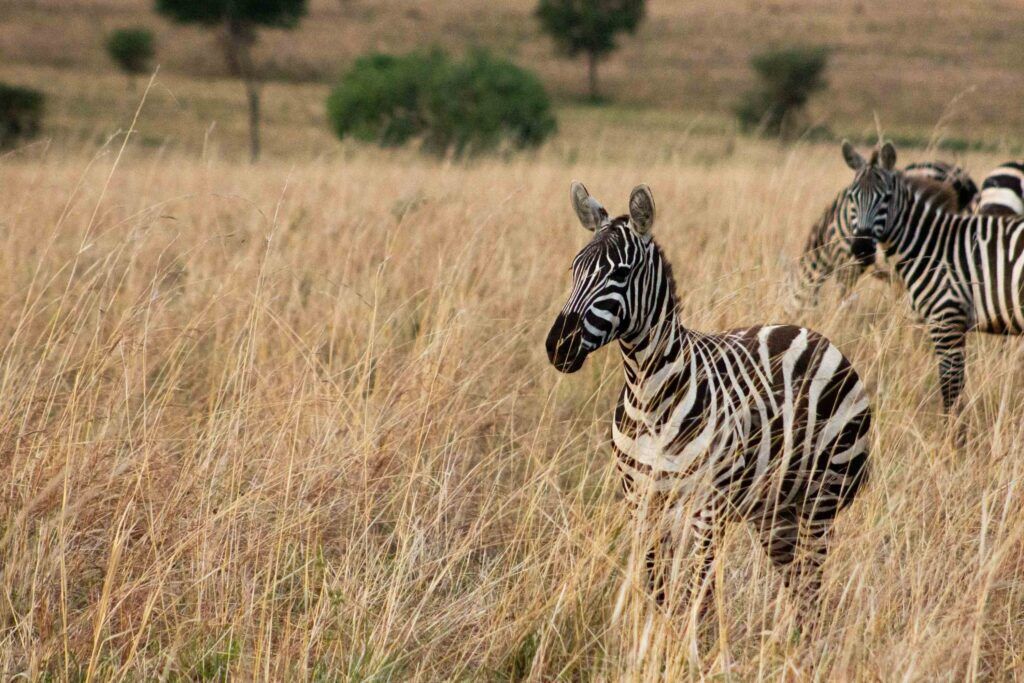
<point>381,98</point>
<point>131,49</point>
<point>21,114</point>
<point>788,78</point>
<point>483,100</point>
<point>466,106</point>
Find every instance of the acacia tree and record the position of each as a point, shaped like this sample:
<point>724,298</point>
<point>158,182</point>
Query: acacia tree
<point>238,21</point>
<point>589,27</point>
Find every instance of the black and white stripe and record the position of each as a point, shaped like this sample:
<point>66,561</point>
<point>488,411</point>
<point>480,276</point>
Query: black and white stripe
<point>1002,191</point>
<point>826,252</point>
<point>766,424</point>
<point>963,272</point>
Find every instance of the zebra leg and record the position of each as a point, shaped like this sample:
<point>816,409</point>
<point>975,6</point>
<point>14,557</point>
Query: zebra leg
<point>679,562</point>
<point>949,341</point>
<point>803,576</point>
<point>797,550</point>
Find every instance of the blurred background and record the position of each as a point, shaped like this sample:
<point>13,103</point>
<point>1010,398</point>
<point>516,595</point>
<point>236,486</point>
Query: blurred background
<point>947,72</point>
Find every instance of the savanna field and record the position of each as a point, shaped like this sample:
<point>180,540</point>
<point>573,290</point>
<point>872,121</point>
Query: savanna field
<point>295,420</point>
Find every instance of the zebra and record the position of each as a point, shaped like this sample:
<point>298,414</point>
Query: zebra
<point>826,252</point>
<point>767,424</point>
<point>962,272</point>
<point>958,179</point>
<point>1002,191</point>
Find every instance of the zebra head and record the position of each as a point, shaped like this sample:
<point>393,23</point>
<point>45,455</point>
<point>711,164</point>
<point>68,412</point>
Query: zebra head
<point>871,196</point>
<point>604,278</point>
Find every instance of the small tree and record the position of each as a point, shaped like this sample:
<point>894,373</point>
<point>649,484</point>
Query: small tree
<point>788,79</point>
<point>589,27</point>
<point>131,49</point>
<point>21,114</point>
<point>238,21</point>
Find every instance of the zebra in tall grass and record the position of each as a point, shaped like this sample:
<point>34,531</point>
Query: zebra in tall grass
<point>963,272</point>
<point>1002,191</point>
<point>767,424</point>
<point>826,252</point>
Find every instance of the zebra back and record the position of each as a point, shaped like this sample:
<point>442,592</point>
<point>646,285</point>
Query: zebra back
<point>961,183</point>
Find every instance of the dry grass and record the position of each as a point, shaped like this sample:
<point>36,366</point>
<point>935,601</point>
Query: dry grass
<point>295,420</point>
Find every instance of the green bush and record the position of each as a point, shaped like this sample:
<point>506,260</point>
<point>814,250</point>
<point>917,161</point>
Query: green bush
<point>21,114</point>
<point>788,78</point>
<point>466,106</point>
<point>131,49</point>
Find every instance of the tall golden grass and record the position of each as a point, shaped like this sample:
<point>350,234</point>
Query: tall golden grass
<point>296,421</point>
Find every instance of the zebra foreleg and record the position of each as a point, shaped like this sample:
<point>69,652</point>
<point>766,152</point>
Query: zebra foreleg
<point>950,343</point>
<point>679,564</point>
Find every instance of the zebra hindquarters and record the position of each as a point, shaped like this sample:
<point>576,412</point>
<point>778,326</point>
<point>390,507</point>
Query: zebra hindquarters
<point>823,474</point>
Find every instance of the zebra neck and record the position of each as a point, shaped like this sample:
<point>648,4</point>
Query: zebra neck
<point>916,217</point>
<point>664,342</point>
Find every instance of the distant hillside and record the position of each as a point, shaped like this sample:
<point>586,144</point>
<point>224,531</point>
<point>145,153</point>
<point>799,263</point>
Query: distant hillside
<point>907,61</point>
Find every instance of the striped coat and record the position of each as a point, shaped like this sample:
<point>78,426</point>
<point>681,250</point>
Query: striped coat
<point>765,424</point>
<point>962,272</point>
<point>1002,191</point>
<point>826,252</point>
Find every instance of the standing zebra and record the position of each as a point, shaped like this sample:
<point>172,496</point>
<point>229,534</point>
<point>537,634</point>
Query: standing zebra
<point>764,424</point>
<point>962,272</point>
<point>1002,191</point>
<point>827,253</point>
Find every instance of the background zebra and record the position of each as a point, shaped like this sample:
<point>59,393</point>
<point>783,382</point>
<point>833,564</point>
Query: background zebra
<point>764,424</point>
<point>827,254</point>
<point>963,272</point>
<point>1002,191</point>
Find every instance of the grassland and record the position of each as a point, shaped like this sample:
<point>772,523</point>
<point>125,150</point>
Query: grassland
<point>295,420</point>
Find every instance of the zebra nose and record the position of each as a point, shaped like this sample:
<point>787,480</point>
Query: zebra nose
<point>563,342</point>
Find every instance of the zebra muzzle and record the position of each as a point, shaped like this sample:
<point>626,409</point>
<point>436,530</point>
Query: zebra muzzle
<point>862,248</point>
<point>565,343</point>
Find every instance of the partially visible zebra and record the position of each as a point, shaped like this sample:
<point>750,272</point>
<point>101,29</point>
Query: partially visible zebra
<point>956,177</point>
<point>764,424</point>
<point>963,272</point>
<point>827,254</point>
<point>1002,191</point>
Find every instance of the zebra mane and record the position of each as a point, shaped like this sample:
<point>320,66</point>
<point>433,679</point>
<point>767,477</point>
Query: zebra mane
<point>940,195</point>
<point>670,278</point>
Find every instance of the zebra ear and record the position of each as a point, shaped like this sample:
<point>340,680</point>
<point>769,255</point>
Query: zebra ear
<point>888,156</point>
<point>590,212</point>
<point>641,209</point>
<point>853,158</point>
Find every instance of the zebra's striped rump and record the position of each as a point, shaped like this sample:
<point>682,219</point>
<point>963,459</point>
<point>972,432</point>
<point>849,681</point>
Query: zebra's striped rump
<point>1002,191</point>
<point>766,424</point>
